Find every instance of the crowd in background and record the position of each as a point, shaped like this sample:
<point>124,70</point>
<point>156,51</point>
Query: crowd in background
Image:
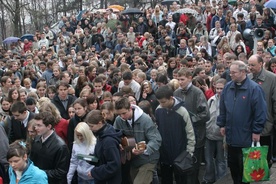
<point>89,65</point>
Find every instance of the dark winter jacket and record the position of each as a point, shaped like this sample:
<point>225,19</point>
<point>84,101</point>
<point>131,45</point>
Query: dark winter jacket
<point>63,112</point>
<point>108,170</point>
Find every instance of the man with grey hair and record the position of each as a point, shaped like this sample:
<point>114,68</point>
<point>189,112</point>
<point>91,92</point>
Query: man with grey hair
<point>267,80</point>
<point>242,116</point>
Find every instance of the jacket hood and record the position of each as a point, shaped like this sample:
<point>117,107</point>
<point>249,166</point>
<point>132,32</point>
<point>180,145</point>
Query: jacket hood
<point>108,131</point>
<point>178,102</point>
<point>137,112</point>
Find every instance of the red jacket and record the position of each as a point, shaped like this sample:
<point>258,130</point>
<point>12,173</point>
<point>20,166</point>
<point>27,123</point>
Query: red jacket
<point>61,129</point>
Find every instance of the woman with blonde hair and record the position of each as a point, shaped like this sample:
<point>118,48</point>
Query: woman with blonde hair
<point>157,15</point>
<point>84,143</point>
<point>61,125</point>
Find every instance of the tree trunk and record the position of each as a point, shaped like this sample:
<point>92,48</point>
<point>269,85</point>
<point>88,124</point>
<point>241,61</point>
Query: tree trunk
<point>16,19</point>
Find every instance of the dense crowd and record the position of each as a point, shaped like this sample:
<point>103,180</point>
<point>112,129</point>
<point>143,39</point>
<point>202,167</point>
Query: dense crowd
<point>159,78</point>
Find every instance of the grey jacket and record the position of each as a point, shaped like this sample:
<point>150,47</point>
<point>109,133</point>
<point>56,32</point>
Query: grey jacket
<point>144,130</point>
<point>212,129</point>
<point>267,80</point>
<point>196,104</point>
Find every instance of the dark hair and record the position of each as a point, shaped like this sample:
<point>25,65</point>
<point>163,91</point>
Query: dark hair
<point>47,118</point>
<point>10,95</point>
<point>122,103</point>
<point>51,87</point>
<point>94,117</point>
<point>80,101</point>
<point>62,83</point>
<point>162,79</point>
<point>164,92</point>
<point>30,101</point>
<point>17,149</point>
<point>127,75</point>
<point>19,107</point>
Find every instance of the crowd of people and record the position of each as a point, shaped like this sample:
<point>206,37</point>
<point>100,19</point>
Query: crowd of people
<point>172,81</point>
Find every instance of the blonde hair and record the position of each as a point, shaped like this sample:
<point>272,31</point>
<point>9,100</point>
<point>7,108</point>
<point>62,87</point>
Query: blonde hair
<point>49,107</point>
<point>43,100</point>
<point>84,130</point>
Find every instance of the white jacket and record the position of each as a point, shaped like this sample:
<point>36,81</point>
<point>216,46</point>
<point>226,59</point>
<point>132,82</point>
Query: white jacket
<point>82,167</point>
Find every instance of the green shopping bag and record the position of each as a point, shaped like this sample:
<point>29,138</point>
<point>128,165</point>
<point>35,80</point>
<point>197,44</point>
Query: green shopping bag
<point>255,166</point>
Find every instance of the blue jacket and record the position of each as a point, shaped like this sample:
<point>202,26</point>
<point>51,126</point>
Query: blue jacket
<point>31,175</point>
<point>243,111</point>
<point>176,130</point>
<point>107,150</point>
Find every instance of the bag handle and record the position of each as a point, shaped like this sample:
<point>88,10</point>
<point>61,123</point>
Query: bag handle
<point>258,144</point>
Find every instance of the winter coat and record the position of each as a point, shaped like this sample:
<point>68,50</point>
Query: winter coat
<point>267,80</point>
<point>31,175</point>
<point>63,112</point>
<point>52,156</point>
<point>108,170</point>
<point>242,112</point>
<point>144,130</point>
<point>196,104</point>
<point>176,130</point>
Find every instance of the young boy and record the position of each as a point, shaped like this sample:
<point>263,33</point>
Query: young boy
<point>98,88</point>
<point>177,134</point>
<point>214,140</point>
<point>135,123</point>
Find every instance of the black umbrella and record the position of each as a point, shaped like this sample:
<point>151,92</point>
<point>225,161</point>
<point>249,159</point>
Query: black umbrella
<point>169,2</point>
<point>131,11</point>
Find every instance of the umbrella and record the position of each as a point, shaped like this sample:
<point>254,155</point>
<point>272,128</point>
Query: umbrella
<point>270,4</point>
<point>187,11</point>
<point>10,40</point>
<point>28,37</point>
<point>130,11</point>
<point>169,2</point>
<point>118,7</point>
<point>115,10</point>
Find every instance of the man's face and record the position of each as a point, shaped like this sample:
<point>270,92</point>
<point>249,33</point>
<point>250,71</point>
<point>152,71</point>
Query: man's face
<point>62,92</point>
<point>235,74</point>
<point>184,81</point>
<point>19,116</point>
<point>125,114</point>
<point>40,128</point>
<point>98,86</point>
<point>31,108</point>
<point>254,66</point>
<point>208,67</point>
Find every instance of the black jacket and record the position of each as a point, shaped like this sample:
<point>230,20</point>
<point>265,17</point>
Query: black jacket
<point>16,131</point>
<point>52,156</point>
<point>71,127</point>
<point>63,112</point>
<point>108,170</point>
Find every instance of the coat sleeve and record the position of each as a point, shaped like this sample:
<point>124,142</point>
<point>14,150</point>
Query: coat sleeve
<point>260,110</point>
<point>153,136</point>
<point>202,115</point>
<point>190,134</point>
<point>73,166</point>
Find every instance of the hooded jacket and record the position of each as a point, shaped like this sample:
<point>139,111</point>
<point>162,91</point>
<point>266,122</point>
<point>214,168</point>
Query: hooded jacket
<point>31,175</point>
<point>144,130</point>
<point>176,130</point>
<point>108,169</point>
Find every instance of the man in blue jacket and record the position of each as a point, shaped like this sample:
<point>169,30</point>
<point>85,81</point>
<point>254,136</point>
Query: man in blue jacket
<point>242,116</point>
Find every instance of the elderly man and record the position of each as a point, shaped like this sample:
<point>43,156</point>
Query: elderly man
<point>267,80</point>
<point>242,116</point>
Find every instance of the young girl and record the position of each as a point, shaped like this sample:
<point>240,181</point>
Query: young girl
<point>22,169</point>
<point>80,106</point>
<point>13,95</point>
<point>84,143</point>
<point>214,140</point>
